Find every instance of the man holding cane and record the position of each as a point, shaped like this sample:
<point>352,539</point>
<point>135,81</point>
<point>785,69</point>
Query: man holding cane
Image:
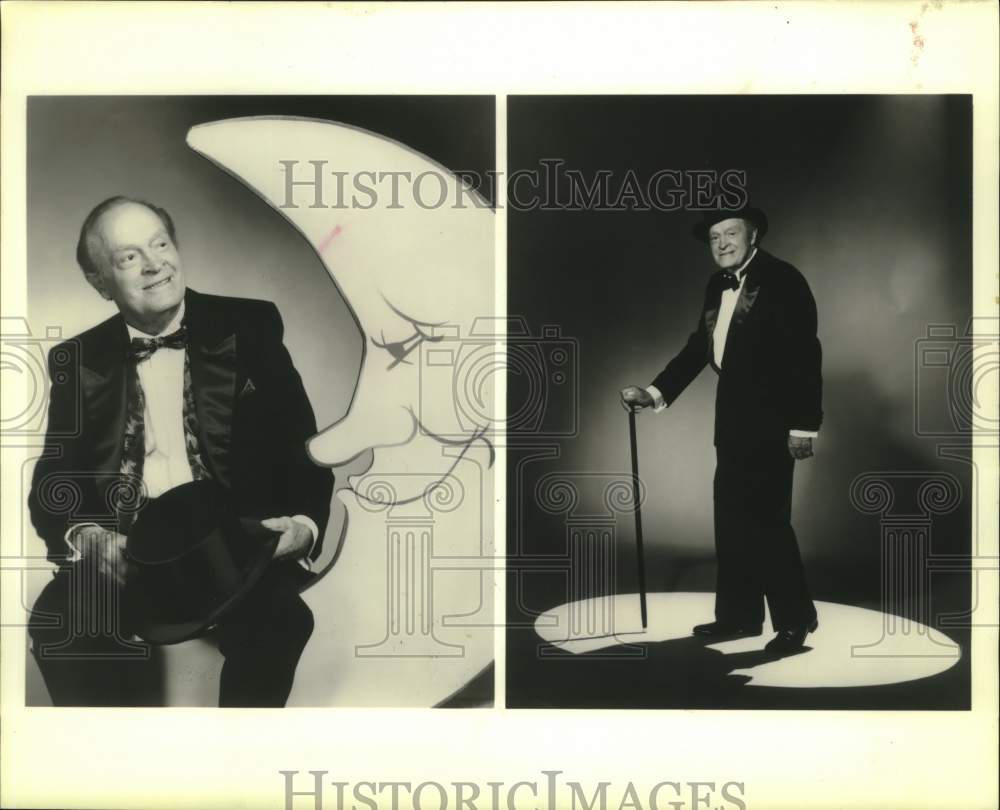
<point>757,329</point>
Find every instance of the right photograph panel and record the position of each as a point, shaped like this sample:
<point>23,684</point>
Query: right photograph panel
<point>742,391</point>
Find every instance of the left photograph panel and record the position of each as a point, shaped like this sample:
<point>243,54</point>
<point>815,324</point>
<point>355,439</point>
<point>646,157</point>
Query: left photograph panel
<point>259,419</point>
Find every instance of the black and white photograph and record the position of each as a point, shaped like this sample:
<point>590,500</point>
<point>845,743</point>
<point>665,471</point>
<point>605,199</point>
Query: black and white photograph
<point>753,484</point>
<point>232,332</point>
<point>499,406</point>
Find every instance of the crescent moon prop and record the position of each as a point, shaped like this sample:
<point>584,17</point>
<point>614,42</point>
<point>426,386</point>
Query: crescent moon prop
<point>404,617</point>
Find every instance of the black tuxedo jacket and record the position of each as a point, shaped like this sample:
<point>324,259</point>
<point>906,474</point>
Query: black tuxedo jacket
<point>770,381</point>
<point>253,416</point>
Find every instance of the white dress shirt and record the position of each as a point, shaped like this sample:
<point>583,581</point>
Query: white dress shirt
<point>161,376</point>
<point>727,306</point>
<point>166,466</point>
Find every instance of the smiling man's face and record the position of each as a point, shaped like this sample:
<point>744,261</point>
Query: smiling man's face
<point>731,241</point>
<point>139,266</point>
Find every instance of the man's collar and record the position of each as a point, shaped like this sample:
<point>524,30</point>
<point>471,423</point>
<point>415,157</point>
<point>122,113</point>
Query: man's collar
<point>741,272</point>
<point>173,326</point>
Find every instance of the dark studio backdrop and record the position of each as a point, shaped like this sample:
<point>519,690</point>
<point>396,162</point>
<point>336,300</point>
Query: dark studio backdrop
<point>83,149</point>
<point>870,197</point>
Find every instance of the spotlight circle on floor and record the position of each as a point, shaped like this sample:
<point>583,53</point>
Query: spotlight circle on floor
<point>853,646</point>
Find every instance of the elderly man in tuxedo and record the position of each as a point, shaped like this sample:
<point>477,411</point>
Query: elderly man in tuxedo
<point>177,386</point>
<point>757,330</point>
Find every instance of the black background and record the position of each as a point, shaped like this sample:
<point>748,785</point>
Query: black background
<point>870,197</point>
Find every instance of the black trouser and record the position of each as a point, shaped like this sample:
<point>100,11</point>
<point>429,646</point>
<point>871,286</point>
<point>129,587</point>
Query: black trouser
<point>81,640</point>
<point>755,544</point>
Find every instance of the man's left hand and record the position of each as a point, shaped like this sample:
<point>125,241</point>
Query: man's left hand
<point>295,540</point>
<point>800,447</point>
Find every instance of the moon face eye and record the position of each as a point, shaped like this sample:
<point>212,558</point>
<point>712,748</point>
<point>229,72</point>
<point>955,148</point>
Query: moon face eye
<point>399,349</point>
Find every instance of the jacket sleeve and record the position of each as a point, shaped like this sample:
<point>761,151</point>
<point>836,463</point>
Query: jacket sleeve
<point>308,486</point>
<point>803,357</point>
<point>687,364</point>
<point>60,484</point>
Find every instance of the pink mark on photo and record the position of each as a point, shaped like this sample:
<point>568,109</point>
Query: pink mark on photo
<point>329,238</point>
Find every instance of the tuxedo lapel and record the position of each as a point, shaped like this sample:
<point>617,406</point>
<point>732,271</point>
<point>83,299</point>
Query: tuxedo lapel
<point>711,317</point>
<point>749,293</point>
<point>102,380</point>
<point>748,297</point>
<point>212,356</point>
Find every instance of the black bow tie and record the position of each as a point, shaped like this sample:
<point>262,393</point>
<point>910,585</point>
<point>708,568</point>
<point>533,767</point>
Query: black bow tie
<point>730,281</point>
<point>141,348</point>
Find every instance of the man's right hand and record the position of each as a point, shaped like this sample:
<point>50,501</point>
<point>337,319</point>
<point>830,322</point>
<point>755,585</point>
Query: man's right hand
<point>103,548</point>
<point>634,397</point>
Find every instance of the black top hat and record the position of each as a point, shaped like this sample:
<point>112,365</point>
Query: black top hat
<point>754,215</point>
<point>192,560</point>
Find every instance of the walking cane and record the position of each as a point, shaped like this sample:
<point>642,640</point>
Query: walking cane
<point>638,513</point>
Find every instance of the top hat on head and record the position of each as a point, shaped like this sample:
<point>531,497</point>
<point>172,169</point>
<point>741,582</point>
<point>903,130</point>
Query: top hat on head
<point>192,559</point>
<point>752,215</point>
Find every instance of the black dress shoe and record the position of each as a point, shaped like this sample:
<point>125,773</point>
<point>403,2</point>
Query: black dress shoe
<point>790,640</point>
<point>719,629</point>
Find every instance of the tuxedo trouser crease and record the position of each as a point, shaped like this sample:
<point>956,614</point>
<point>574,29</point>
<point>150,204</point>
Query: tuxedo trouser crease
<point>756,549</point>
